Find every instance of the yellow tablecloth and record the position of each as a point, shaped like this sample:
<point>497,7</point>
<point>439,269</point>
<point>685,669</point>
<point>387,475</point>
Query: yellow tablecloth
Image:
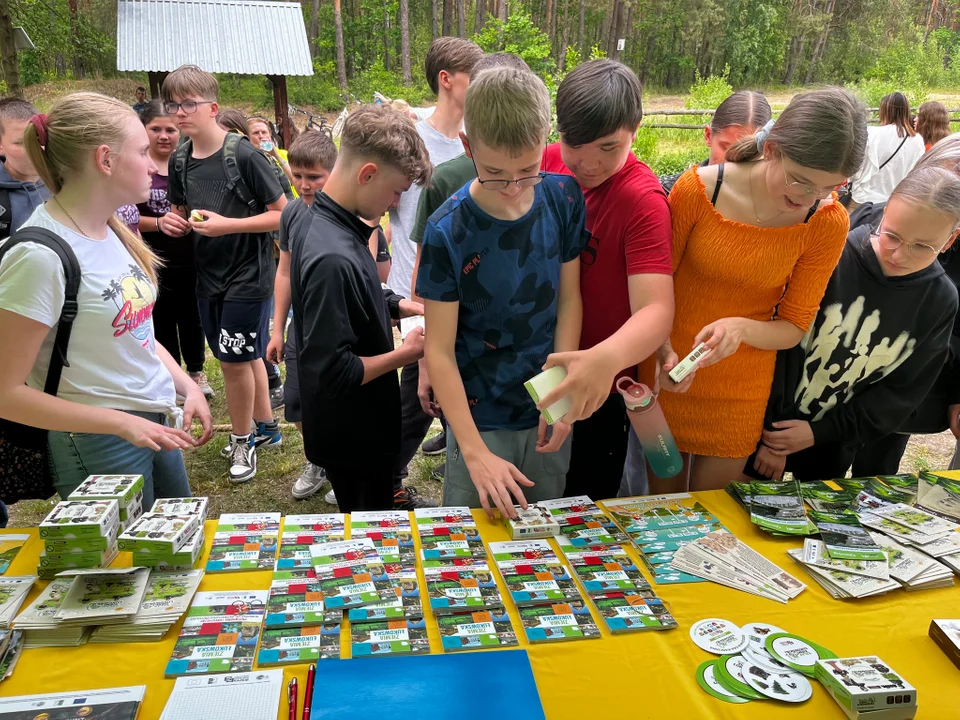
<point>646,675</point>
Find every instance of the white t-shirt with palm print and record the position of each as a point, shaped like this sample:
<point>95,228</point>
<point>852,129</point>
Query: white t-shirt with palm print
<point>112,352</point>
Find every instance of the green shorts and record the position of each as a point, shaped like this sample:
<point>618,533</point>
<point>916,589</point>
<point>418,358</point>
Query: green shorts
<point>548,471</point>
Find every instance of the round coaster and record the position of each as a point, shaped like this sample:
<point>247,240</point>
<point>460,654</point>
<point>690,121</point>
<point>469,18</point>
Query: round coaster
<point>758,632</point>
<point>718,636</point>
<point>759,656</point>
<point>728,671</point>
<point>706,680</point>
<point>788,687</point>
<point>795,652</point>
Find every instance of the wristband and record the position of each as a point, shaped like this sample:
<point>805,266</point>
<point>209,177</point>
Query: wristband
<point>158,225</point>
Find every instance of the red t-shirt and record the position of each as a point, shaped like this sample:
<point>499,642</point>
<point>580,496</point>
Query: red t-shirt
<point>630,233</point>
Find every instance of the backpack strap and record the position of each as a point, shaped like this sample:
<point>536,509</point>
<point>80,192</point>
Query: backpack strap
<point>6,213</point>
<point>68,313</point>
<point>180,157</point>
<point>231,169</point>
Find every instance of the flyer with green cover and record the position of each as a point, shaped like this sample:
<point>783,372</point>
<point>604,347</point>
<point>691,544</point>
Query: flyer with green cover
<point>560,621</point>
<point>845,538</point>
<point>393,637</point>
<point>476,631</point>
<point>778,507</point>
<point>290,646</point>
<point>629,612</point>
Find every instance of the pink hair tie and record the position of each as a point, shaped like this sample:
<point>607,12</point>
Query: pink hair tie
<point>39,122</point>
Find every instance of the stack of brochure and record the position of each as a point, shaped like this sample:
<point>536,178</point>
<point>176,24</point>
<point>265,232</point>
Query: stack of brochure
<point>776,507</point>
<point>220,633</point>
<point>388,529</point>
<point>244,541</point>
<point>12,643</point>
<point>550,606</point>
<point>187,557</point>
<point>13,591</point>
<point>166,599</point>
<point>102,597</point>
<point>583,523</point>
<point>113,703</point>
<point>659,526</point>
<point>722,558</point>
<point>39,620</point>
<point>302,531</point>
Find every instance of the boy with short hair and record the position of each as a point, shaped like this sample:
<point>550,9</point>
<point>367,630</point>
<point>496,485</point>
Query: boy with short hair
<point>500,277</point>
<point>347,363</point>
<point>232,219</point>
<point>626,283</point>
<point>140,105</point>
<point>448,65</point>
<point>21,188</point>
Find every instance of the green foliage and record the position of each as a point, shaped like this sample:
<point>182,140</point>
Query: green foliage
<point>669,151</point>
<point>709,92</point>
<point>909,65</point>
<point>377,79</point>
<point>518,35</point>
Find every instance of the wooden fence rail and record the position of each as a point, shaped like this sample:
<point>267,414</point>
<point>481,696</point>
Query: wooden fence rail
<point>685,111</point>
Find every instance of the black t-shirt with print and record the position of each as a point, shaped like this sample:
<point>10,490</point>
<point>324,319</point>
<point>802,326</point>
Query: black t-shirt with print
<point>238,266</point>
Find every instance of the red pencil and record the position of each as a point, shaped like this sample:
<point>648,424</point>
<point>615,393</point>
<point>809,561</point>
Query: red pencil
<point>308,695</point>
<point>292,698</point>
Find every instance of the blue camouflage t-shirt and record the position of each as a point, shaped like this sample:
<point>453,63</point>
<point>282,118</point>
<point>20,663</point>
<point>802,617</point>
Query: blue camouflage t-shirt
<point>506,276</point>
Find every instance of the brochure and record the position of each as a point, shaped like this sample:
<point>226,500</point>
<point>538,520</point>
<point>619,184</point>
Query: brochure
<point>232,551</point>
<point>459,515</point>
<point>626,612</point>
<point>539,583</point>
<point>815,553</point>
<point>843,584</point>
<point>9,548</point>
<point>844,537</point>
<point>114,703</point>
<point>777,507</point>
<point>454,592</point>
<point>220,633</point>
<point>476,631</point>
<point>293,603</point>
<point>250,523</point>
<point>393,637</point>
<point>331,525</point>
<point>290,646</point>
<point>560,621</point>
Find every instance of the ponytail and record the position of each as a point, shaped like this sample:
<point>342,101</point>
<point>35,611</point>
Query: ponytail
<point>821,129</point>
<point>59,144</point>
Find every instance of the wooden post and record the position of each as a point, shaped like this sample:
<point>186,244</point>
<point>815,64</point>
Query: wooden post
<point>155,82</point>
<point>280,110</point>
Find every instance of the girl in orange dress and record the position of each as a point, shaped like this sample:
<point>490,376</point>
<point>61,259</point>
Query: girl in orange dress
<point>754,243</point>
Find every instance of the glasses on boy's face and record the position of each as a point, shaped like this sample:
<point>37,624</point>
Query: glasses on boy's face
<point>497,185</point>
<point>918,251</point>
<point>801,188</point>
<point>188,106</point>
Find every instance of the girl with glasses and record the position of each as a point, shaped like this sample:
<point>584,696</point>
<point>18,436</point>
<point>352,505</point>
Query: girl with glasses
<point>754,242</point>
<point>879,339</point>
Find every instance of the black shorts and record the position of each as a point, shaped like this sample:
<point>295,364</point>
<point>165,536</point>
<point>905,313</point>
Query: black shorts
<point>237,330</point>
<point>291,384</point>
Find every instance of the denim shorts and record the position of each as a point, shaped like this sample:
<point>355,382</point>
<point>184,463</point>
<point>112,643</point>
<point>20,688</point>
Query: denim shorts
<point>75,456</point>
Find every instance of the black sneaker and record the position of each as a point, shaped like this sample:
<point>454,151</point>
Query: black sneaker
<point>437,445</point>
<point>276,398</point>
<point>439,472</point>
<point>243,459</point>
<point>407,498</point>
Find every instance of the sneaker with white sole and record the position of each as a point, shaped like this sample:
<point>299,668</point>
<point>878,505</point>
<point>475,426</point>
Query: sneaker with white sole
<point>437,445</point>
<point>276,398</point>
<point>265,435</point>
<point>200,378</point>
<point>310,481</point>
<point>330,498</point>
<point>243,458</point>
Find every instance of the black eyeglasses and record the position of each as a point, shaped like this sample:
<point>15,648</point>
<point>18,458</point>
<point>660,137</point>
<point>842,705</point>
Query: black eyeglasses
<point>523,182</point>
<point>188,106</point>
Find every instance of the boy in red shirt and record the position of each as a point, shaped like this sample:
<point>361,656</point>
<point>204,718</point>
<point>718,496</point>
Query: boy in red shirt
<point>626,269</point>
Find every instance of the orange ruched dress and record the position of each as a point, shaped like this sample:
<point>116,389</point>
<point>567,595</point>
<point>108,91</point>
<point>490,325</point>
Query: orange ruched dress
<point>724,268</point>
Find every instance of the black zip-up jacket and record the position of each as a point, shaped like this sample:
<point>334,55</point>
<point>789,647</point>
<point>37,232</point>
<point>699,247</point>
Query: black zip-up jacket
<point>342,313</point>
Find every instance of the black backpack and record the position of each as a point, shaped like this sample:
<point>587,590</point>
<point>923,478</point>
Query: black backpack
<point>24,461</point>
<point>6,213</point>
<point>231,170</point>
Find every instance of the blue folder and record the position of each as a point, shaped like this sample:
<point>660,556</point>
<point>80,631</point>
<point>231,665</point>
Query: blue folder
<point>428,687</point>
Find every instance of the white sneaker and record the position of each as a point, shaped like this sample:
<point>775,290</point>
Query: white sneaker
<point>243,459</point>
<point>310,482</point>
<point>330,498</point>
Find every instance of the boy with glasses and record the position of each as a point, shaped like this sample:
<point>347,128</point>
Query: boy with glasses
<point>231,219</point>
<point>500,278</point>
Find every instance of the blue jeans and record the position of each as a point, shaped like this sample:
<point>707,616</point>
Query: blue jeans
<point>75,456</point>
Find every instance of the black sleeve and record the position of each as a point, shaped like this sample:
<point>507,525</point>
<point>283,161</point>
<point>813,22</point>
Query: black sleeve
<point>286,219</point>
<point>786,378</point>
<point>383,250</point>
<point>867,215</point>
<point>331,307</point>
<point>886,403</point>
<point>393,302</point>
<point>175,192</point>
<point>259,176</point>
